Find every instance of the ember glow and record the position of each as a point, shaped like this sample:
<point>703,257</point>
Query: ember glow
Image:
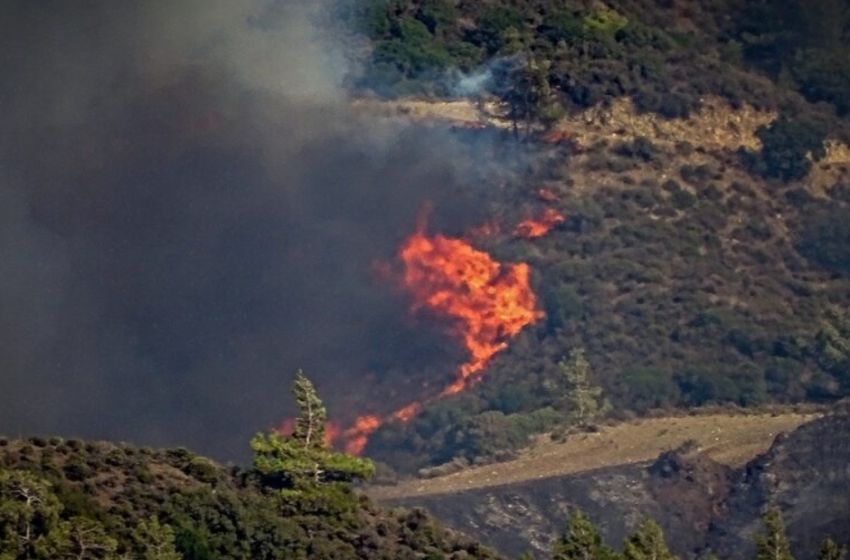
<point>534,228</point>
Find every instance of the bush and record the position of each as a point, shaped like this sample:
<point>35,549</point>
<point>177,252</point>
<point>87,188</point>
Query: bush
<point>563,304</point>
<point>742,384</point>
<point>202,469</point>
<point>646,388</point>
<point>639,148</point>
<point>789,149</point>
<point>492,26</point>
<point>826,239</point>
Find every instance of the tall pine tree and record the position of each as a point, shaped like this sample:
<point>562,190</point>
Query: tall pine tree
<point>303,461</point>
<point>310,424</point>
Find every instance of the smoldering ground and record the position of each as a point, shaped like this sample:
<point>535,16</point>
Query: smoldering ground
<point>189,212</point>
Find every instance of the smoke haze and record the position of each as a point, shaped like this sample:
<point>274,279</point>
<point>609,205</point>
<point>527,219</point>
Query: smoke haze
<point>189,212</point>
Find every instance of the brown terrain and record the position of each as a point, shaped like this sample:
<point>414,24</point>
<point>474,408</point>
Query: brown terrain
<point>708,496</point>
<point>729,439</point>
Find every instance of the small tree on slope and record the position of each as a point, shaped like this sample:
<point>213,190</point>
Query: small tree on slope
<point>583,400</point>
<point>647,543</point>
<point>831,551</point>
<point>581,541</point>
<point>772,543</point>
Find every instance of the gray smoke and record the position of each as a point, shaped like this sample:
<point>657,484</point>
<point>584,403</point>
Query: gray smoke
<point>189,211</point>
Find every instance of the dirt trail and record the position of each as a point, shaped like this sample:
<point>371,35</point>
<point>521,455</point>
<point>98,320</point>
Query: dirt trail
<point>730,439</point>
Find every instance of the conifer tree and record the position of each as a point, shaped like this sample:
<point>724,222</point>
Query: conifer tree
<point>583,400</point>
<point>581,541</point>
<point>312,417</point>
<point>647,543</point>
<point>29,516</point>
<point>772,543</point>
<point>303,460</point>
<point>829,550</point>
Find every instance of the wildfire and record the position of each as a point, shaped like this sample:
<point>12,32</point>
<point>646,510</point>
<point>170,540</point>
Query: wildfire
<point>357,437</point>
<point>531,228</point>
<point>332,430</point>
<point>486,302</point>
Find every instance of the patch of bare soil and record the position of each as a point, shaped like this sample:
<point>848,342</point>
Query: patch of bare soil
<point>727,438</point>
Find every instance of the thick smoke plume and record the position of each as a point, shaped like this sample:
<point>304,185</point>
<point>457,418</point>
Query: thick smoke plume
<point>189,211</point>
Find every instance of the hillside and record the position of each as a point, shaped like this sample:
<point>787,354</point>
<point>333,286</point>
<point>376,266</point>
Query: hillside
<point>704,506</point>
<point>729,439</point>
<point>701,254</point>
<point>101,500</point>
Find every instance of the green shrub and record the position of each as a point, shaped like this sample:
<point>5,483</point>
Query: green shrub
<point>742,384</point>
<point>644,388</point>
<point>202,469</point>
<point>493,25</point>
<point>788,149</point>
<point>825,238</point>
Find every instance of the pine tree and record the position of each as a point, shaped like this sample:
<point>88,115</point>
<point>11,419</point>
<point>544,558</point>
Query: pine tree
<point>831,551</point>
<point>581,541</point>
<point>772,543</point>
<point>583,400</point>
<point>647,543</point>
<point>85,539</point>
<point>312,417</point>
<point>29,516</point>
<point>302,465</point>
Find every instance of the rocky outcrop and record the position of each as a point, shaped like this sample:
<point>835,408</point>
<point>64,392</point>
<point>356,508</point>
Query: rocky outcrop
<point>807,475</point>
<point>702,505</point>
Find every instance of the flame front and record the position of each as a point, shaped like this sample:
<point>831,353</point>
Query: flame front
<point>531,228</point>
<point>357,437</point>
<point>487,303</point>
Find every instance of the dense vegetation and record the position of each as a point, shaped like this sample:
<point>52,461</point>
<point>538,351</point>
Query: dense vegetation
<point>98,501</point>
<point>665,55</point>
<point>689,275</point>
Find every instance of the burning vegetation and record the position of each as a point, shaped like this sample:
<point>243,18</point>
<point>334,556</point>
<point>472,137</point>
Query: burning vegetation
<point>486,303</point>
<point>533,228</point>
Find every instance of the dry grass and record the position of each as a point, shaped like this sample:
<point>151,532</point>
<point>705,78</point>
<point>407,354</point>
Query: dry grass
<point>728,438</point>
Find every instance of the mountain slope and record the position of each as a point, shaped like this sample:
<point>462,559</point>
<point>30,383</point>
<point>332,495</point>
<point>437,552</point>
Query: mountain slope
<point>730,439</point>
<point>211,512</point>
<point>697,154</point>
<point>703,505</point>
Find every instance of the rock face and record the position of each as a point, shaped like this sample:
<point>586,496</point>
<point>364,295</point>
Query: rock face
<point>807,475</point>
<point>702,505</point>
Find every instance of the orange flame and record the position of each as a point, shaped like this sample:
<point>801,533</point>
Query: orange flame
<point>547,195</point>
<point>531,228</point>
<point>407,413</point>
<point>487,302</point>
<point>357,437</point>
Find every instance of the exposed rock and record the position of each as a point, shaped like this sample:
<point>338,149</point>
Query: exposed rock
<point>701,504</point>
